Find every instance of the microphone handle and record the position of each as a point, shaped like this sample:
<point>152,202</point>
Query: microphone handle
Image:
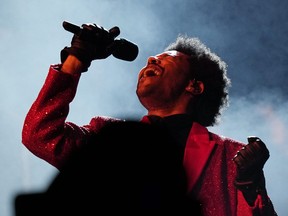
<point>71,27</point>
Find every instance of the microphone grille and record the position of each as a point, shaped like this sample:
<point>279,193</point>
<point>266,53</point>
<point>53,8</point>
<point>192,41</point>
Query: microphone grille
<point>125,50</point>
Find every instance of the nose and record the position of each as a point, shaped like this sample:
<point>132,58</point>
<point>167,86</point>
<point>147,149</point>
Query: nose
<point>153,60</point>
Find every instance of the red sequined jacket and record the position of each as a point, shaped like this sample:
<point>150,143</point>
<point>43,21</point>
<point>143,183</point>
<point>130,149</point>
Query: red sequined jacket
<point>47,135</point>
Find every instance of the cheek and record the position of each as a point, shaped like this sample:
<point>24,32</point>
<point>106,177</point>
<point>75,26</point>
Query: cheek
<point>175,88</point>
<point>180,80</point>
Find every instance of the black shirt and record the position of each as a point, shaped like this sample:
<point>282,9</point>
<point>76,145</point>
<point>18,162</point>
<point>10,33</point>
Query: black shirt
<point>178,126</point>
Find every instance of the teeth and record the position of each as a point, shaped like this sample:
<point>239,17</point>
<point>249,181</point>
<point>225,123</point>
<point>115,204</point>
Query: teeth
<point>157,72</point>
<point>150,73</point>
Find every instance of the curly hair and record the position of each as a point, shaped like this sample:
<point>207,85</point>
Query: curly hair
<point>207,67</point>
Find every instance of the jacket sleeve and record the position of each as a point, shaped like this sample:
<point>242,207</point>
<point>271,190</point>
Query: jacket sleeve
<point>45,132</point>
<point>263,206</point>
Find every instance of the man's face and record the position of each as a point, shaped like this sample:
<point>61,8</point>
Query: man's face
<point>163,79</point>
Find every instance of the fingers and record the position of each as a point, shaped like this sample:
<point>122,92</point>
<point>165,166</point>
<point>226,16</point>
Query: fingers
<point>243,158</point>
<point>113,32</point>
<point>256,145</point>
<point>97,31</point>
<point>94,28</point>
<point>255,153</point>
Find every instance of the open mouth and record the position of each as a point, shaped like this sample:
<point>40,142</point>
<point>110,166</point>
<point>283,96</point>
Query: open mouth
<point>151,71</point>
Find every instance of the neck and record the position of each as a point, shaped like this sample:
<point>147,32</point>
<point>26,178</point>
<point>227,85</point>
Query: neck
<point>165,112</point>
<point>180,106</point>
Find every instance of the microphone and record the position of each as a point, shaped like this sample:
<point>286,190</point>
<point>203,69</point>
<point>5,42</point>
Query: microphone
<point>121,48</point>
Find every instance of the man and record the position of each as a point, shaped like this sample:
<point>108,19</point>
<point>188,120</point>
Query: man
<point>184,90</point>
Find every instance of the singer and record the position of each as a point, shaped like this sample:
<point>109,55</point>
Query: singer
<point>165,161</point>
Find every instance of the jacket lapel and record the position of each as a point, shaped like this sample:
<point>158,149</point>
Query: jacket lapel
<point>196,154</point>
<point>197,151</point>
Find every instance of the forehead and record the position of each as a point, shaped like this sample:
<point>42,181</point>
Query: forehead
<point>173,53</point>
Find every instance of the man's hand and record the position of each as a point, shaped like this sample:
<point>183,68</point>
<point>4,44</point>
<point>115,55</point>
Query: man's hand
<point>92,42</point>
<point>250,161</point>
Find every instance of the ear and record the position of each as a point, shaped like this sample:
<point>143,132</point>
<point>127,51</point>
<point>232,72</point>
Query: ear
<point>195,87</point>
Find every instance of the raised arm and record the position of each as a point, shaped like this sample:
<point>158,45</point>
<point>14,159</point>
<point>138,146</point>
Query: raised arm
<point>45,131</point>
